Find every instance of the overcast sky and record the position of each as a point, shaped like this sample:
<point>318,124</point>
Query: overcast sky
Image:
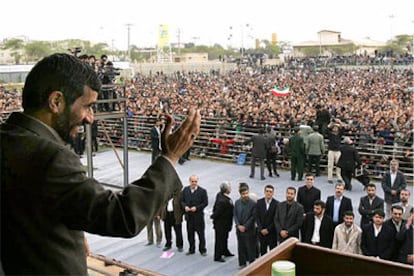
<point>204,22</point>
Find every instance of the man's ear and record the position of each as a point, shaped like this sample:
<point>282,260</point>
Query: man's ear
<point>56,101</point>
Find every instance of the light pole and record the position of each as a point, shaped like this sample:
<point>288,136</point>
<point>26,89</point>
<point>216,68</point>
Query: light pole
<point>391,18</point>
<point>129,48</point>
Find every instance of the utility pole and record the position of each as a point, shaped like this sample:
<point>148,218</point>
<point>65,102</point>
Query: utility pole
<point>129,48</point>
<point>179,43</point>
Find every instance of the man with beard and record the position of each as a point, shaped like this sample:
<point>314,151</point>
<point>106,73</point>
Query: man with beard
<point>244,212</point>
<point>47,201</point>
<point>338,204</point>
<point>222,220</point>
<point>368,204</point>
<point>404,203</point>
<point>288,217</point>
<point>347,235</point>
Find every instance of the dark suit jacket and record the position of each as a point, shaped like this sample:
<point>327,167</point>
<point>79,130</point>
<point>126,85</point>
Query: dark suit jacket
<point>222,213</point>
<point>307,197</point>
<point>47,202</point>
<point>349,158</point>
<point>399,184</point>
<point>346,205</point>
<point>291,221</point>
<point>297,146</point>
<point>405,238</point>
<point>198,199</point>
<point>265,218</point>
<point>155,138</point>
<point>259,148</point>
<point>366,210</point>
<point>177,209</point>
<point>326,231</point>
<point>381,246</point>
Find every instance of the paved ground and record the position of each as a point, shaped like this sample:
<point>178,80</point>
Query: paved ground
<point>211,173</point>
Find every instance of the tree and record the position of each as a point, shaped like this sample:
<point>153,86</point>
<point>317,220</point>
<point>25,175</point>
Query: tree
<point>37,50</point>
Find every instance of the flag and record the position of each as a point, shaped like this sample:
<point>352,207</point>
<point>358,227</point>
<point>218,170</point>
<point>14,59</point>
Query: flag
<point>281,92</point>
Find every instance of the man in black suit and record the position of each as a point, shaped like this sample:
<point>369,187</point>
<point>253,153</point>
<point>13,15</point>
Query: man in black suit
<point>194,201</point>
<point>172,215</point>
<point>369,203</point>
<point>308,193</point>
<point>265,213</point>
<point>348,161</point>
<point>392,183</point>
<point>377,239</point>
<point>259,150</point>
<point>405,238</point>
<point>338,204</point>
<point>222,220</point>
<point>396,223</point>
<point>156,139</point>
<point>288,216</point>
<point>318,229</point>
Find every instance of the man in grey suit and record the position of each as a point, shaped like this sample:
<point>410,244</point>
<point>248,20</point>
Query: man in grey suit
<point>47,201</point>
<point>288,216</point>
<point>392,183</point>
<point>368,204</point>
<point>259,150</point>
<point>314,149</point>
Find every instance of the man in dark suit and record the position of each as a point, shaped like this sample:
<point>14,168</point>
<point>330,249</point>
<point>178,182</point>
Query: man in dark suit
<point>222,217</point>
<point>396,223</point>
<point>156,139</point>
<point>259,150</point>
<point>369,203</point>
<point>377,239</point>
<point>338,204</point>
<point>194,201</point>
<point>405,238</point>
<point>265,213</point>
<point>392,183</point>
<point>272,150</point>
<point>47,201</point>
<point>348,161</point>
<point>288,216</point>
<point>297,155</point>
<point>318,229</point>
<point>308,193</point>
<point>244,218</point>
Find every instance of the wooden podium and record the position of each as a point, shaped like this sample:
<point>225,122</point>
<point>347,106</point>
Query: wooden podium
<point>315,260</point>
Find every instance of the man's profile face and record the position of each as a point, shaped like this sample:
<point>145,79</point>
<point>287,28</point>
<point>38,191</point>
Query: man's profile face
<point>67,122</point>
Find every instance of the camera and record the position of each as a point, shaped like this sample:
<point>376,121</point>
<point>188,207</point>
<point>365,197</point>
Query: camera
<point>75,51</point>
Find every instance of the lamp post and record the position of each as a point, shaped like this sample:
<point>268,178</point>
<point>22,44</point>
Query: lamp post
<point>129,48</point>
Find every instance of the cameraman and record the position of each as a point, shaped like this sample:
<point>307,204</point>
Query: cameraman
<point>107,74</point>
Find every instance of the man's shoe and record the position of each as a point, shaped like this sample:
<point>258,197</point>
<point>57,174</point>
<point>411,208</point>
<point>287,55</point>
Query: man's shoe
<point>220,260</point>
<point>262,178</point>
<point>180,249</point>
<point>203,254</point>
<point>277,175</point>
<point>190,253</point>
<point>251,176</point>
<point>330,181</point>
<point>229,255</point>
<point>166,248</point>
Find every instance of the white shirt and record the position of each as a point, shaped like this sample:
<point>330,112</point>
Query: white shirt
<point>170,207</point>
<point>316,237</point>
<point>377,230</point>
<point>393,176</point>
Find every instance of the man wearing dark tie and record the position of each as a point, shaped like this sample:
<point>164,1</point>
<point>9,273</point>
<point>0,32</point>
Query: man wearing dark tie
<point>265,213</point>
<point>338,204</point>
<point>392,183</point>
<point>194,201</point>
<point>369,203</point>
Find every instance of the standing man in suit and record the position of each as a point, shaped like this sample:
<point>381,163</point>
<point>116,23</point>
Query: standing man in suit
<point>348,161</point>
<point>244,218</point>
<point>318,229</point>
<point>369,203</point>
<point>288,217</point>
<point>272,150</point>
<point>156,139</point>
<point>172,215</point>
<point>315,148</point>
<point>297,155</point>
<point>222,221</point>
<point>377,239</point>
<point>335,132</point>
<point>193,202</point>
<point>308,193</point>
<point>392,183</point>
<point>405,238</point>
<point>265,213</point>
<point>347,235</point>
<point>338,204</point>
<point>259,150</point>
<point>396,223</point>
